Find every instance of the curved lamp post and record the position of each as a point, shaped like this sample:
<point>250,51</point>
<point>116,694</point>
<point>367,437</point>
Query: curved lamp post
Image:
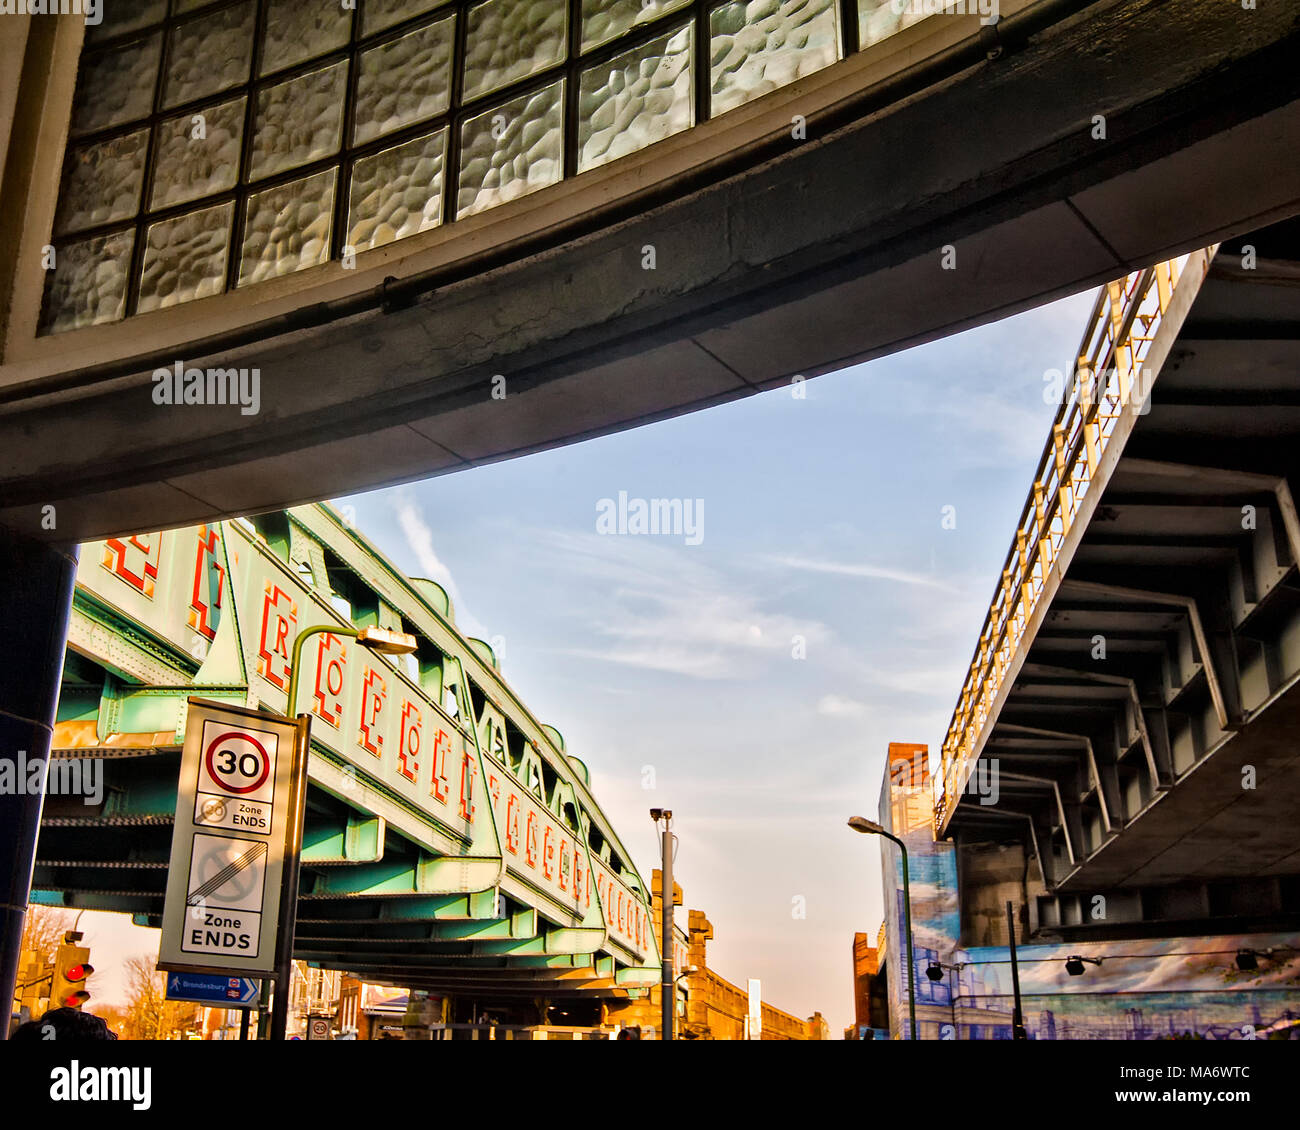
<point>385,642</point>
<point>868,827</point>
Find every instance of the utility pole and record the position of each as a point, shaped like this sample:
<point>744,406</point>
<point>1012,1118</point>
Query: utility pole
<point>1017,1017</point>
<point>668,989</point>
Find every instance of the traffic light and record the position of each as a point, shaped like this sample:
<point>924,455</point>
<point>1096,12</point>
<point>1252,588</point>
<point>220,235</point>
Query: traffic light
<point>34,977</point>
<point>71,968</point>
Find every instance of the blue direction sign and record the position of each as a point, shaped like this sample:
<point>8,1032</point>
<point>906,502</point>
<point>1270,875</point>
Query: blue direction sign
<point>208,988</point>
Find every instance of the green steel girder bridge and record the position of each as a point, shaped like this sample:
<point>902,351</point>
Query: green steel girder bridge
<point>450,842</point>
<point>1137,678</point>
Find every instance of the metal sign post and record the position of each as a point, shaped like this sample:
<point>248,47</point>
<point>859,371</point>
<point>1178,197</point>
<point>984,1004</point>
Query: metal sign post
<point>289,890</point>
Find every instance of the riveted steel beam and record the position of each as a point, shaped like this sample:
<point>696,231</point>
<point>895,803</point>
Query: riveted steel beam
<point>356,838</point>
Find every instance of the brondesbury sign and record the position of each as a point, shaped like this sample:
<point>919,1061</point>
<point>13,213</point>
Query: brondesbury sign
<point>234,827</point>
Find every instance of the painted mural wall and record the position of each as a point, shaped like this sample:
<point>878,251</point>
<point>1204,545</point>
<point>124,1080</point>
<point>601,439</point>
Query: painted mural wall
<point>1178,988</point>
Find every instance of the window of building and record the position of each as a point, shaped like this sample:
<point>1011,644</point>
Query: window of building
<point>215,145</point>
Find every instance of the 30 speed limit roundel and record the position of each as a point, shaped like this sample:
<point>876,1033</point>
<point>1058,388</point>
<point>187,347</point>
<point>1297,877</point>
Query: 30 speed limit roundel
<point>237,762</point>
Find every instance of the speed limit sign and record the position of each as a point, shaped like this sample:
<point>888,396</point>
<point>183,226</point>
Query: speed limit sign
<point>238,762</point>
<point>230,838</point>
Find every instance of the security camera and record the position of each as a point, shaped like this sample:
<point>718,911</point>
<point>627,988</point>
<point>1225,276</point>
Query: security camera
<point>656,814</point>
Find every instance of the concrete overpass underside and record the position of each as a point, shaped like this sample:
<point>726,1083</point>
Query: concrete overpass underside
<point>1147,745</point>
<point>1071,144</point>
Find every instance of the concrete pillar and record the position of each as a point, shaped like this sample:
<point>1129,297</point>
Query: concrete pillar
<point>36,583</point>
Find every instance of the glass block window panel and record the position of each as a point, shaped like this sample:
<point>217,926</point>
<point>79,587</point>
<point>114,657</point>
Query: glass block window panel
<point>118,19</point>
<point>879,19</point>
<point>603,20</point>
<point>397,192</point>
<point>404,80</point>
<point>635,99</point>
<point>102,183</point>
<point>761,45</point>
<point>299,120</point>
<point>287,228</point>
<point>209,54</point>
<point>197,154</point>
<point>88,283</point>
<point>185,258</point>
<point>511,39</point>
<point>512,150</point>
<point>379,14</point>
<point>298,30</point>
<point>245,116</point>
<point>116,87</point>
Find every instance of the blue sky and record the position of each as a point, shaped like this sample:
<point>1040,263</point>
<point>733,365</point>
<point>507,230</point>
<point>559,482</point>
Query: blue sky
<point>672,665</point>
<point>822,519</point>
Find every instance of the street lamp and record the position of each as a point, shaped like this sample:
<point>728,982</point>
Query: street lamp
<point>385,642</point>
<point>935,971</point>
<point>667,983</point>
<point>868,827</point>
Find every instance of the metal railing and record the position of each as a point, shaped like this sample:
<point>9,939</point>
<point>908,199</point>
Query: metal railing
<point>1108,381</point>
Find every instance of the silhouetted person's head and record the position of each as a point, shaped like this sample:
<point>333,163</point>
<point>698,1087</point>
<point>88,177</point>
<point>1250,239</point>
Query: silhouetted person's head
<point>64,1025</point>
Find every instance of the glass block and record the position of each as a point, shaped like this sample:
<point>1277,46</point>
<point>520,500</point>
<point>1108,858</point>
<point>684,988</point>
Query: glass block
<point>196,158</point>
<point>879,19</point>
<point>512,150</point>
<point>511,39</point>
<point>185,258</point>
<point>299,120</point>
<point>209,54</point>
<point>88,284</point>
<point>102,183</point>
<point>298,30</point>
<point>379,14</point>
<point>636,99</point>
<point>603,20</point>
<point>117,19</point>
<point>116,86</point>
<point>762,45</point>
<point>287,228</point>
<point>404,80</point>
<point>397,192</point>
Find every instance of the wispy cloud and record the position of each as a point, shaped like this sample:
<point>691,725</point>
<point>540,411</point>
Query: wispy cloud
<point>833,706</point>
<point>657,607</point>
<point>866,572</point>
<point>419,540</point>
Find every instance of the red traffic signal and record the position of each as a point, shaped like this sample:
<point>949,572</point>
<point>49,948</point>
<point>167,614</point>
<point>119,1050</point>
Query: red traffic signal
<point>71,968</point>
